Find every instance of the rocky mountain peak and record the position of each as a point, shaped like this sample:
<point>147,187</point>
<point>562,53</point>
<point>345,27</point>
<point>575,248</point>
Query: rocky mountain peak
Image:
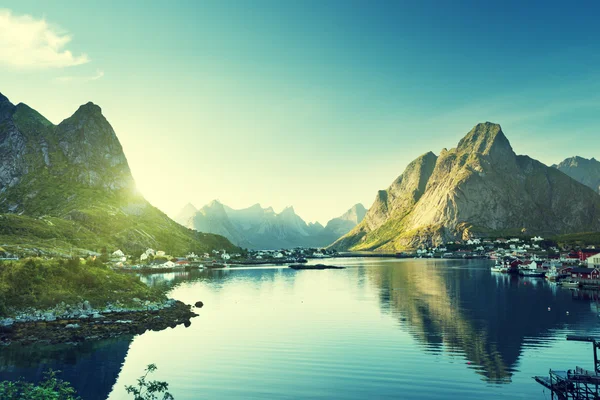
<point>288,210</point>
<point>479,188</point>
<point>583,170</point>
<point>214,204</point>
<point>6,108</point>
<point>88,108</point>
<point>355,214</point>
<point>484,138</point>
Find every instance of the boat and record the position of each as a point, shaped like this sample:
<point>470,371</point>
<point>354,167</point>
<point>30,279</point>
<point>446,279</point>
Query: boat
<point>499,267</point>
<point>570,284</point>
<point>532,274</point>
<point>216,265</point>
<point>553,273</point>
<point>531,270</point>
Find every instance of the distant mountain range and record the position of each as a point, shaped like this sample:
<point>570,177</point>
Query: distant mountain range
<point>479,188</point>
<point>582,170</point>
<point>68,186</point>
<point>256,227</point>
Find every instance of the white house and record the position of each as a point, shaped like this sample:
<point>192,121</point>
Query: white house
<point>192,256</point>
<point>278,255</point>
<point>118,253</point>
<point>225,256</point>
<point>149,252</point>
<point>594,261</point>
<point>143,257</point>
<point>537,239</point>
<point>160,253</point>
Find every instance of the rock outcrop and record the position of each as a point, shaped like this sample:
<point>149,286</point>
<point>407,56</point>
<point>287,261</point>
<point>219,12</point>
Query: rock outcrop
<point>479,188</point>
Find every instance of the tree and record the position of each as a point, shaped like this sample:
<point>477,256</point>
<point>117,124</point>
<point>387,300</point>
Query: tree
<point>148,390</point>
<point>50,388</point>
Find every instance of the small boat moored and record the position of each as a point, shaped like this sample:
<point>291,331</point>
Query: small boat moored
<point>570,284</point>
<point>316,266</point>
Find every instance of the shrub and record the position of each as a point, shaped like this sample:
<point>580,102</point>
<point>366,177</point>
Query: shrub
<point>51,388</point>
<point>148,390</point>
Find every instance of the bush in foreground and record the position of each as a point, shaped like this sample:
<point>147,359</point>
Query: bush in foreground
<point>52,388</point>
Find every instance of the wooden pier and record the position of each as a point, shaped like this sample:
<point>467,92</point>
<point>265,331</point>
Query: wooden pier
<point>577,384</point>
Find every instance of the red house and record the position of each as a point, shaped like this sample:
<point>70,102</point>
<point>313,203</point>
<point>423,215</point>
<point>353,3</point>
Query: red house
<point>566,270</point>
<point>584,254</point>
<point>585,273</point>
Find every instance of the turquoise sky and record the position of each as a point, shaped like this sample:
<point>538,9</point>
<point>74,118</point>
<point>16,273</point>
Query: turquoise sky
<point>311,104</point>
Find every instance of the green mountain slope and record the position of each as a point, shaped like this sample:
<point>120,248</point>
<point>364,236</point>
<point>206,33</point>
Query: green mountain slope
<point>68,186</point>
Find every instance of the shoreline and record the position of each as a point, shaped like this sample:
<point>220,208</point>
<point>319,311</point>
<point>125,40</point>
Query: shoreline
<point>93,326</point>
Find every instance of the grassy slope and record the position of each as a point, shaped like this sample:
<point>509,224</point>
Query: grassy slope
<point>578,239</point>
<point>45,283</point>
<point>64,214</point>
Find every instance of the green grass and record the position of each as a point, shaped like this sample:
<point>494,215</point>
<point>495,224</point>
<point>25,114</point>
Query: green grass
<point>578,239</point>
<point>43,284</point>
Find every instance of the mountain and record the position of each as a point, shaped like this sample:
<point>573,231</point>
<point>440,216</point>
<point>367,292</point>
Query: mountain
<point>212,218</point>
<point>69,186</point>
<point>341,225</point>
<point>261,228</point>
<point>185,214</point>
<point>479,188</point>
<point>582,170</point>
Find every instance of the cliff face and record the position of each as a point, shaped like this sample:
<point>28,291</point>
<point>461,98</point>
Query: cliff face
<point>481,187</point>
<point>582,170</point>
<point>37,157</point>
<point>71,183</point>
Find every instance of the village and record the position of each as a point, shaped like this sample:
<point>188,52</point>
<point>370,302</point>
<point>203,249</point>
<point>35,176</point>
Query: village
<point>528,256</point>
<point>155,260</point>
<point>534,257</point>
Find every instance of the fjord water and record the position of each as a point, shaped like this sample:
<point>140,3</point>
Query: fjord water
<point>382,328</point>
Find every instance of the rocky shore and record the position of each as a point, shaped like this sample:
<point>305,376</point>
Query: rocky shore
<point>71,324</point>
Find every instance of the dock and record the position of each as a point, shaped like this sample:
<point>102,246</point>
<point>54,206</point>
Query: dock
<point>577,384</point>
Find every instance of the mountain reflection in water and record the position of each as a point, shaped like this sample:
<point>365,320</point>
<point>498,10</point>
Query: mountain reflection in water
<point>91,367</point>
<point>487,316</point>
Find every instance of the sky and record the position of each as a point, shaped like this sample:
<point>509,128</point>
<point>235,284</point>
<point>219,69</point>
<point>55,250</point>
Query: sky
<point>314,104</point>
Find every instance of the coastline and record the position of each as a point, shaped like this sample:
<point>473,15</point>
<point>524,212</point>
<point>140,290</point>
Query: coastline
<point>87,324</point>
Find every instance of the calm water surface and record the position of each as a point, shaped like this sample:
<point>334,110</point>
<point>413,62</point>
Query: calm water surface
<point>382,328</point>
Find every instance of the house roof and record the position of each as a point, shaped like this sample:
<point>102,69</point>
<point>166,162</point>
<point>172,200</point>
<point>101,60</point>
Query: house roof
<point>582,270</point>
